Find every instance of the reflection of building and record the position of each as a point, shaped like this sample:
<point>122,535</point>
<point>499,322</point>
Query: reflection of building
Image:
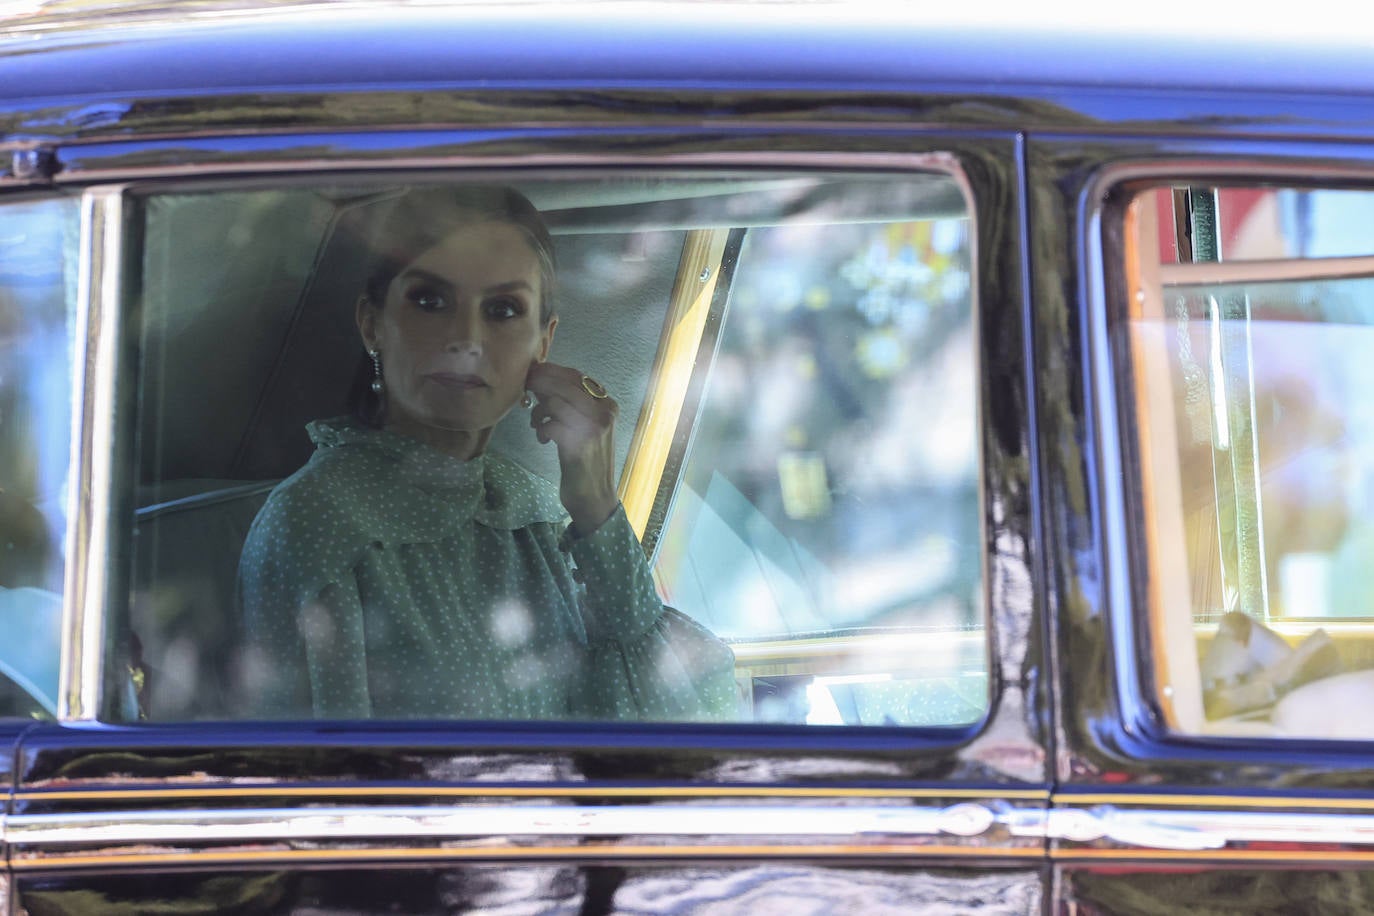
<point>1305,372</point>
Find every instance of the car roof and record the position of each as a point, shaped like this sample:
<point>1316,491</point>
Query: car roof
<point>74,72</point>
<point>61,47</point>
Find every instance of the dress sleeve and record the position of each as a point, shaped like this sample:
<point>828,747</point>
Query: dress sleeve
<point>336,653</point>
<point>308,656</point>
<point>646,661</point>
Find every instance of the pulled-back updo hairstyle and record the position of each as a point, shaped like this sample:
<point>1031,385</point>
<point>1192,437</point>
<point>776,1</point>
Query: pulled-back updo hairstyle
<point>423,217</point>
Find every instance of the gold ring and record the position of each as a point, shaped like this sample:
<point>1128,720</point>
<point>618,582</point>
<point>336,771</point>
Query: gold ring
<point>593,387</point>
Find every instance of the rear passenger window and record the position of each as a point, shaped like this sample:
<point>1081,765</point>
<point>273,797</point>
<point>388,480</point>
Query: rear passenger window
<point>38,284</point>
<point>669,448</point>
<point>1249,323</point>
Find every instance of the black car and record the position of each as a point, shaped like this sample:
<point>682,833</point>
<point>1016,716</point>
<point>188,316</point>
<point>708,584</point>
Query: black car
<point>991,453</point>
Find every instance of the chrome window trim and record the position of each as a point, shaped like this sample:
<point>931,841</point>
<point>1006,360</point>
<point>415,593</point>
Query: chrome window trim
<point>91,473</point>
<point>1134,828</point>
<point>963,819</point>
<point>1203,829</point>
<point>1137,706</point>
<point>91,542</point>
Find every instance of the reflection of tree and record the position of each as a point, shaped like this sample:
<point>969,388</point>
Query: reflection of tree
<point>840,337</point>
<point>1221,893</point>
<point>34,393</point>
<point>18,461</point>
<point>127,895</point>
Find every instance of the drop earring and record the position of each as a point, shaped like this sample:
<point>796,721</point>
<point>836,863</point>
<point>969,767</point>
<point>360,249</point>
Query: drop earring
<point>377,385</point>
<point>527,400</point>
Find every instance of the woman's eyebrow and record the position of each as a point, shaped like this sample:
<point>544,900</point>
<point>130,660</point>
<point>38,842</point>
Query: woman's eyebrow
<point>511,286</point>
<point>427,276</point>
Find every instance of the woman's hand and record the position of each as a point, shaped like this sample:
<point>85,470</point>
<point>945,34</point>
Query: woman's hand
<point>582,426</point>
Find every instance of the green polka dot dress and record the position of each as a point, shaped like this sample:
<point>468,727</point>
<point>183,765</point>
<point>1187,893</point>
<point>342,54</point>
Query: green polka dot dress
<point>387,579</point>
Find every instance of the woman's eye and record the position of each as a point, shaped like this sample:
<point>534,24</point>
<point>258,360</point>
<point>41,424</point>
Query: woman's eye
<point>427,299</point>
<point>503,307</point>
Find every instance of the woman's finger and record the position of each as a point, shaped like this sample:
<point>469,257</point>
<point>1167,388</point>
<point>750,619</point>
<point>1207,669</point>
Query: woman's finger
<point>549,379</point>
<point>564,405</point>
<point>539,415</point>
<point>554,419</point>
<point>556,432</point>
<point>575,415</point>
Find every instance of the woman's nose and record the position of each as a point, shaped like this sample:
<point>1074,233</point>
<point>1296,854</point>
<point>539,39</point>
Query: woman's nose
<point>464,331</point>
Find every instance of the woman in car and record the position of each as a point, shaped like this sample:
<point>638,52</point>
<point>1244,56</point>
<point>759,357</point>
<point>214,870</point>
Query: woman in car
<point>405,570</point>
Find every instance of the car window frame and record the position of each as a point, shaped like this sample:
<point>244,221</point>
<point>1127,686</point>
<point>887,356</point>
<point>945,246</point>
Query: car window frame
<point>1134,675</point>
<point>987,156</point>
<point>118,211</point>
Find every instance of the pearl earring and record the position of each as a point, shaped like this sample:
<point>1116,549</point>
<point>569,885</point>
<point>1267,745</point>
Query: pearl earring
<point>527,400</point>
<point>377,385</point>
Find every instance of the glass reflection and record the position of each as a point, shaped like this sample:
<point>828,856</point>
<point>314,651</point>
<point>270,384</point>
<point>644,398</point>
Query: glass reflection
<point>1254,438</point>
<point>37,301</point>
<point>832,485</point>
<point>816,331</point>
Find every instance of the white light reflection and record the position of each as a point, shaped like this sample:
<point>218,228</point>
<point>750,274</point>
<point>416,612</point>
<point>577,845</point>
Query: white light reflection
<point>1219,411</point>
<point>823,709</point>
<point>512,624</point>
<point>834,680</point>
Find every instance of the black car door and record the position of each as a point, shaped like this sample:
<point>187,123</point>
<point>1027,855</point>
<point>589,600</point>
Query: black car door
<point>864,286</point>
<point>1210,575</point>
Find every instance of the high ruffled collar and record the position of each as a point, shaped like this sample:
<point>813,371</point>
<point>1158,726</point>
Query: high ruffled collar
<point>488,488</point>
<point>418,464</point>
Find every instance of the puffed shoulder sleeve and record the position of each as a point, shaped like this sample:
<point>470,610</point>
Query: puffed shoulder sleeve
<point>646,661</point>
<point>275,682</point>
<point>302,622</point>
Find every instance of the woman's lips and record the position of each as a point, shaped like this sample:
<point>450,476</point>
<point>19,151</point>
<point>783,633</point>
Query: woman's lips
<point>457,380</point>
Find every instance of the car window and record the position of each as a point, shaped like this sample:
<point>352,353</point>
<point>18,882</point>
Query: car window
<point>1248,319</point>
<point>827,517</point>
<point>379,473</point>
<point>38,282</point>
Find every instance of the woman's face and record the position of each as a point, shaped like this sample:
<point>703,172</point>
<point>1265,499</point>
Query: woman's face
<point>458,332</point>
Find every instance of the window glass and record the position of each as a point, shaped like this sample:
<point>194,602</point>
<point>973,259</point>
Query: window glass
<point>38,245</point>
<point>811,508</point>
<point>1268,223</point>
<point>1256,445</point>
<point>637,448</point>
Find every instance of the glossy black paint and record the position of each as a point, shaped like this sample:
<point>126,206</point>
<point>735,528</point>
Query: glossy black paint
<point>1110,738</point>
<point>627,144</point>
<point>690,59</point>
<point>1254,892</point>
<point>84,79</point>
<point>356,753</point>
<point>211,127</point>
<point>550,887</point>
<point>11,733</point>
